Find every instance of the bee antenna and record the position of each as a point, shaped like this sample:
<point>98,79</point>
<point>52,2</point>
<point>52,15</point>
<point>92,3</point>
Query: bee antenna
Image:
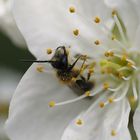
<point>37,61</point>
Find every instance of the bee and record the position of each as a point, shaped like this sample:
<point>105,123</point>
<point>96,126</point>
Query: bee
<point>66,71</point>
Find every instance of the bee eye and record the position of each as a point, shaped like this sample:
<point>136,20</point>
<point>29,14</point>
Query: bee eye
<point>60,59</point>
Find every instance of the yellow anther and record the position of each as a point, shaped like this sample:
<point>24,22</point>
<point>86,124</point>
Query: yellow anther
<point>111,100</point>
<point>72,9</point>
<point>52,103</point>
<point>49,51</point>
<point>76,32</point>
<point>79,122</point>
<point>111,53</point>
<point>91,70</point>
<point>101,104</point>
<point>113,37</point>
<point>40,68</point>
<point>107,54</point>
<point>114,12</point>
<point>130,64</point>
<point>97,20</point>
<point>120,75</point>
<point>97,42</point>
<point>124,57</point>
<point>106,86</point>
<point>113,133</point>
<point>87,93</point>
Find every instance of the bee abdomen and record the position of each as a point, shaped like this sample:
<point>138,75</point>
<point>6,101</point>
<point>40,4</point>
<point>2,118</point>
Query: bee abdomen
<point>85,86</point>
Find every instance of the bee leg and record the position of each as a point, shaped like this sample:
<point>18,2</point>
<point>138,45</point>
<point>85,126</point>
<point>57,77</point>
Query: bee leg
<point>71,67</point>
<point>88,76</point>
<point>81,69</point>
<point>83,78</point>
<point>37,61</point>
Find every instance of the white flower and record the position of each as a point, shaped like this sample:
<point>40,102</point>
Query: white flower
<point>107,31</point>
<point>8,25</point>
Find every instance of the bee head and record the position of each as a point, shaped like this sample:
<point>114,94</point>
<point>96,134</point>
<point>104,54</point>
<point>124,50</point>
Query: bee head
<point>60,59</point>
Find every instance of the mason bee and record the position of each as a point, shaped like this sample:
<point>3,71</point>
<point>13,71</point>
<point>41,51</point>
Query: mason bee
<point>66,71</point>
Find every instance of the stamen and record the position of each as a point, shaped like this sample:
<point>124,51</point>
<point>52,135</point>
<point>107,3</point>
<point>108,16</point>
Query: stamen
<point>101,104</point>
<point>49,51</point>
<point>111,100</point>
<point>79,122</point>
<point>131,65</point>
<point>123,94</point>
<point>109,53</point>
<point>122,46</point>
<point>71,101</point>
<point>97,19</point>
<point>122,117</point>
<point>76,32</point>
<point>52,103</point>
<point>126,58</point>
<point>113,37</point>
<point>40,68</point>
<point>97,91</point>
<point>113,133</point>
<point>97,42</point>
<point>72,9</point>
<point>95,104</point>
<point>88,94</point>
<point>106,86</point>
<point>126,78</point>
<point>122,69</point>
<point>116,89</point>
<point>107,31</point>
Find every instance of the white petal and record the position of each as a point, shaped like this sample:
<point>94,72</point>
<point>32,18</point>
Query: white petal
<point>8,25</point>
<point>8,82</point>
<point>99,123</point>
<point>129,13</point>
<point>49,24</point>
<point>3,135</point>
<point>137,122</point>
<point>136,118</point>
<point>30,117</point>
<point>136,44</point>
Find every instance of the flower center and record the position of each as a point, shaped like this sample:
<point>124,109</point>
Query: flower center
<point>118,65</point>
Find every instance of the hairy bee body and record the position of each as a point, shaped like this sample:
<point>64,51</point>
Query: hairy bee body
<point>66,77</point>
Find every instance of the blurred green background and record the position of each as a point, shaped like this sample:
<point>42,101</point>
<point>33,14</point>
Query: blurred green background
<point>11,54</point>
